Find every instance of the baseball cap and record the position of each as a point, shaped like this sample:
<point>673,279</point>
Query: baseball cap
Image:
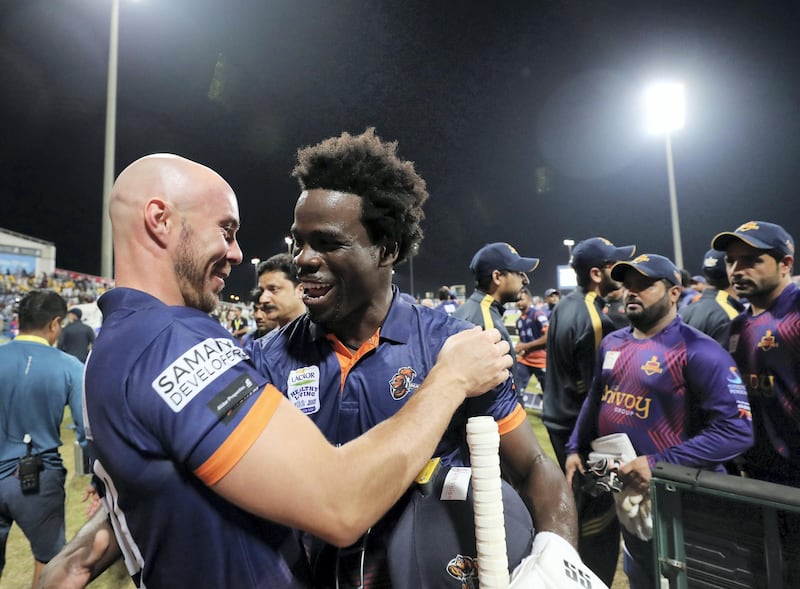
<point>433,542</point>
<point>757,234</point>
<point>76,311</point>
<point>500,256</point>
<point>551,291</point>
<point>714,264</point>
<point>697,279</point>
<point>596,252</point>
<point>650,266</point>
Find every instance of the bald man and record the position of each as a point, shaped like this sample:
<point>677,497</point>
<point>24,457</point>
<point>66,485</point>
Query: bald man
<point>204,461</point>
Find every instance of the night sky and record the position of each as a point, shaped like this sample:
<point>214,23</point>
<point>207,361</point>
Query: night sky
<point>523,117</point>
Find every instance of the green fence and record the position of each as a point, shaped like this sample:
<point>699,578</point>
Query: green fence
<point>718,531</point>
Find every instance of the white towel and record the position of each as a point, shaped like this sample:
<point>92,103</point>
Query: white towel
<point>633,507</point>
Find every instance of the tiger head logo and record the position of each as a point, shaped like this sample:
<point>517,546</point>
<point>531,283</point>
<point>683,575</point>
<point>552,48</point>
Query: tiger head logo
<point>465,570</point>
<point>402,382</point>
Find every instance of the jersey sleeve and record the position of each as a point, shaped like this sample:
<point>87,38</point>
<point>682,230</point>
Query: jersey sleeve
<point>720,418</point>
<point>502,404</point>
<point>198,398</point>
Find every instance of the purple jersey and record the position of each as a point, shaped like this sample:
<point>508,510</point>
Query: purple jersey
<point>678,395</point>
<point>767,349</point>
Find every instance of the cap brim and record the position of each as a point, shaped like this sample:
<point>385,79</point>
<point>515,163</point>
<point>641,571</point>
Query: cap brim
<point>624,252</point>
<point>618,270</point>
<point>723,240</point>
<point>525,265</point>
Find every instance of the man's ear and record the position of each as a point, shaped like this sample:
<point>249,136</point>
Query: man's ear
<point>785,265</point>
<point>675,293</point>
<point>389,253</point>
<point>158,220</point>
<point>496,275</point>
<point>596,275</point>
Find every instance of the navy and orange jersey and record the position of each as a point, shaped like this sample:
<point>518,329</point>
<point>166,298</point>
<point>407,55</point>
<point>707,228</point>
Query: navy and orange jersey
<point>712,313</point>
<point>678,395</point>
<point>171,404</point>
<point>532,325</point>
<point>767,349</point>
<point>348,392</point>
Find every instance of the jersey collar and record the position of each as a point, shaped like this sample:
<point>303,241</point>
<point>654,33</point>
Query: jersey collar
<point>396,327</point>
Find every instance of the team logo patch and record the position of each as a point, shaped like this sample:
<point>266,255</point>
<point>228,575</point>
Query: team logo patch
<point>465,570</point>
<point>710,263</point>
<point>749,226</point>
<point>195,369</point>
<point>302,389</point>
<point>768,342</point>
<point>652,366</point>
<point>734,377</point>
<point>402,382</point>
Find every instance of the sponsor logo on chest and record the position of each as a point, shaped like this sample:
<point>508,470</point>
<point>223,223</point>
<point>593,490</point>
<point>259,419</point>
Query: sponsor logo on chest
<point>302,389</point>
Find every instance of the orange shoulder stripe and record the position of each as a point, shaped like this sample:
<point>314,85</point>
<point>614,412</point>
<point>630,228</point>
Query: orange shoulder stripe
<point>238,443</point>
<point>512,421</point>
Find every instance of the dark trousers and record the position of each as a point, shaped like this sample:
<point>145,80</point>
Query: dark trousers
<point>524,373</point>
<point>599,530</point>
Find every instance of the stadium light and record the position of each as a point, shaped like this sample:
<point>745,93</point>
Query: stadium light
<point>665,114</point>
<point>255,262</point>
<point>569,243</point>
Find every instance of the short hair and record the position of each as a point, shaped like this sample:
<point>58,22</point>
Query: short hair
<point>280,263</point>
<point>720,282</point>
<point>776,254</point>
<point>255,294</point>
<point>391,191</point>
<point>444,294</point>
<point>583,276</point>
<point>40,307</point>
<point>484,281</point>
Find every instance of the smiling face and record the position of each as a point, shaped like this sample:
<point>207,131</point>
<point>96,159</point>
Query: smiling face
<point>345,277</point>
<point>755,274</point>
<point>207,249</point>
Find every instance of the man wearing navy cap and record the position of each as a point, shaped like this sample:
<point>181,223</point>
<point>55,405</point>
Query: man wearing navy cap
<point>765,342</point>
<point>551,297</point>
<point>500,275</point>
<point>673,390</point>
<point>577,325</point>
<point>718,304</point>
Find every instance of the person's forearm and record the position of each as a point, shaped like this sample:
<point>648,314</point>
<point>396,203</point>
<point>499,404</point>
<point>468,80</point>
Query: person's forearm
<point>554,507</point>
<point>353,485</point>
<point>93,549</point>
